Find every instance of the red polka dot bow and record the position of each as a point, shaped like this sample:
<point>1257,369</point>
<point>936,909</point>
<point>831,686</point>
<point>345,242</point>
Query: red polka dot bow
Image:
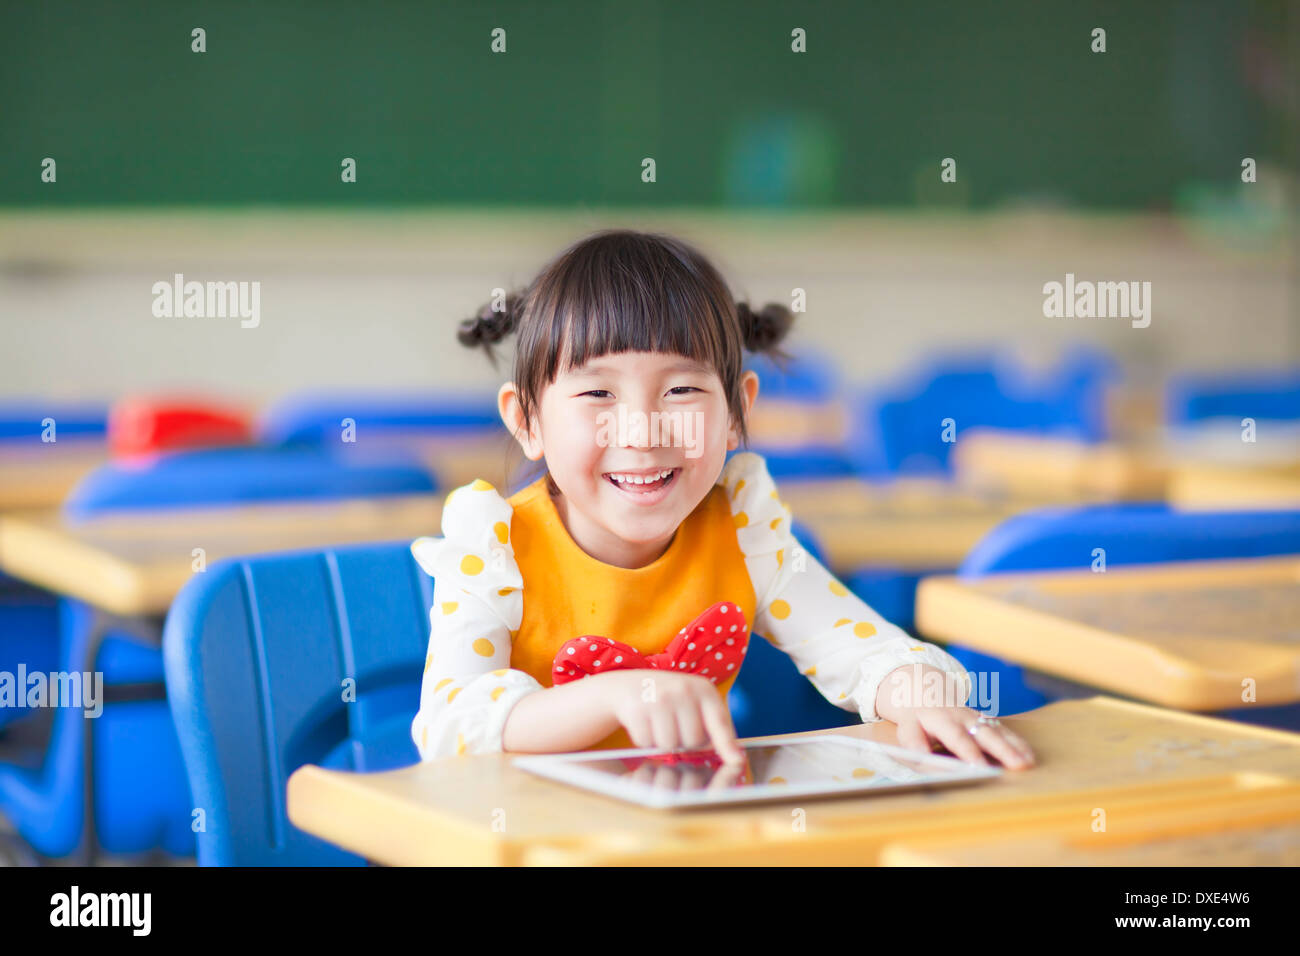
<point>713,646</point>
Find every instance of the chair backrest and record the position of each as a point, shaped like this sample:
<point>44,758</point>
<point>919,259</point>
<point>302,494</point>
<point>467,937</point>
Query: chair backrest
<point>807,376</point>
<point>318,419</point>
<point>984,390</point>
<point>1267,394</point>
<point>809,462</point>
<point>25,420</point>
<point>1137,533</point>
<point>241,475</point>
<point>278,661</point>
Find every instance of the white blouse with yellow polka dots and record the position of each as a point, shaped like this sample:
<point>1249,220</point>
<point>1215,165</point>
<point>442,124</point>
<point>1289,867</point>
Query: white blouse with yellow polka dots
<point>834,638</point>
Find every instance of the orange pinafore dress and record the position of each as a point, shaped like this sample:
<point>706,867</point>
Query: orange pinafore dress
<point>567,593</point>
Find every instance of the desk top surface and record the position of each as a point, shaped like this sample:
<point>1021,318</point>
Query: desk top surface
<point>1138,761</point>
<point>1266,836</point>
<point>910,523</point>
<point>135,562</point>
<point>40,475</point>
<point>1183,634</point>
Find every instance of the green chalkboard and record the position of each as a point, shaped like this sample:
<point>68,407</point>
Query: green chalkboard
<point>585,91</point>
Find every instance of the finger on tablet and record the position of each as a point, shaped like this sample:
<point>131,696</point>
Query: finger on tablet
<point>728,775</point>
<point>994,741</point>
<point>722,733</point>
<point>690,729</point>
<point>693,778</point>
<point>912,737</point>
<point>644,773</point>
<point>667,778</point>
<point>959,742</point>
<point>664,723</point>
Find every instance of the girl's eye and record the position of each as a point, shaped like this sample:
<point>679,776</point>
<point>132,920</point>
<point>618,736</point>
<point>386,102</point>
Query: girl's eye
<point>683,389</point>
<point>598,392</point>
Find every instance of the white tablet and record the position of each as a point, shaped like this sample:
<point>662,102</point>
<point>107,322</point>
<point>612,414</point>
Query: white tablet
<point>778,768</point>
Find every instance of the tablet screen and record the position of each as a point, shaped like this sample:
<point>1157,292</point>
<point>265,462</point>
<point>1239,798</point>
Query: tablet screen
<point>826,764</point>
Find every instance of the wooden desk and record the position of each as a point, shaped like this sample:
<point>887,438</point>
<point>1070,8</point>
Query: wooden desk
<point>919,543</point>
<point>1224,487</point>
<point>1183,635</point>
<point>1264,833</point>
<point>36,475</point>
<point>1194,466</point>
<point>1132,760</point>
<point>901,497</point>
<point>133,563</point>
<point>457,459</point>
<point>911,523</point>
<point>781,423</point>
<point>1026,464</point>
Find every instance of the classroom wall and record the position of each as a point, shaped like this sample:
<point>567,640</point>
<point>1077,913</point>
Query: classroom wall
<point>373,300</point>
<point>817,170</point>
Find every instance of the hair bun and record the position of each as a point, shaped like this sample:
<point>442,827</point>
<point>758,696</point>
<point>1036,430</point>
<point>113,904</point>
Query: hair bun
<point>490,326</point>
<point>765,329</point>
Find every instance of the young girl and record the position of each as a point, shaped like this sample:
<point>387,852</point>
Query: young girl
<point>634,532</point>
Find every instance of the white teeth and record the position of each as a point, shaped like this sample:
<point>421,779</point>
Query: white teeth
<point>640,479</point>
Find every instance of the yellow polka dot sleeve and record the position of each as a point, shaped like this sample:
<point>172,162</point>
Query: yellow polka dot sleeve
<point>835,639</point>
<point>469,687</point>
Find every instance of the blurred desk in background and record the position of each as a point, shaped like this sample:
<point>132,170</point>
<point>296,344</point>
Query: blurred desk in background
<point>458,459</point>
<point>134,562</point>
<point>1235,488</point>
<point>1142,764</point>
<point>1183,634</point>
<point>781,423</point>
<point>41,475</point>
<point>916,523</point>
<point>1194,465</point>
<point>1019,463</point>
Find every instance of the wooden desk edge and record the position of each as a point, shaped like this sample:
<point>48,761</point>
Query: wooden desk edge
<point>393,842</point>
<point>946,604</point>
<point>84,572</point>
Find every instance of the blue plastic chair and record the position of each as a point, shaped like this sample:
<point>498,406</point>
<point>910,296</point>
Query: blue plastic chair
<point>22,421</point>
<point>28,616</point>
<point>891,591</point>
<point>807,463</point>
<point>980,390</point>
<point>138,790</point>
<point>1265,394</point>
<point>317,419</point>
<point>28,636</point>
<point>807,376</point>
<point>221,476</point>
<point>259,653</point>
<point>770,696</point>
<point>1129,533</point>
<point>901,434</point>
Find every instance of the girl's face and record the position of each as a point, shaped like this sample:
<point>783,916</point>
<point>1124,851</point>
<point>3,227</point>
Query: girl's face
<point>634,441</point>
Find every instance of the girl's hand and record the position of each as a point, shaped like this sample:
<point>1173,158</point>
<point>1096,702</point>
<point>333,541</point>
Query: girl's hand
<point>920,726</point>
<point>671,711</point>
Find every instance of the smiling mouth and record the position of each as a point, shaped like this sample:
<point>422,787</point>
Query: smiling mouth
<point>641,484</point>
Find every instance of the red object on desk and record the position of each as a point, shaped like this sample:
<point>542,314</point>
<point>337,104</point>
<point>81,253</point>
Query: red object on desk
<point>712,646</point>
<point>145,426</point>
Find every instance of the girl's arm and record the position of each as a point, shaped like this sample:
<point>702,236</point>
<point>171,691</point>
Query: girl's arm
<point>834,638</point>
<point>659,709</point>
<point>469,688</point>
<point>853,656</point>
<point>559,719</point>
